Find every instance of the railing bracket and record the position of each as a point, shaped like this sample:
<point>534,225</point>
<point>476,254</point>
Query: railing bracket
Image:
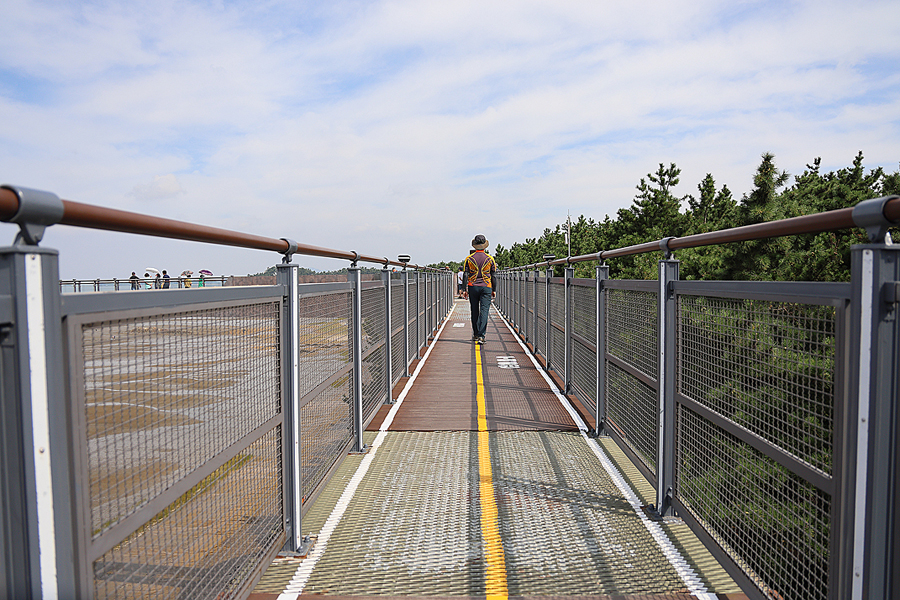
<point>37,210</point>
<point>289,253</point>
<point>869,214</point>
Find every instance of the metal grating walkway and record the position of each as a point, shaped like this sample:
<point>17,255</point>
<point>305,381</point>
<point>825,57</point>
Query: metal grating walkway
<point>481,485</point>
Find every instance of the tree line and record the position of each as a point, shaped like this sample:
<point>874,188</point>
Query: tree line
<point>657,212</point>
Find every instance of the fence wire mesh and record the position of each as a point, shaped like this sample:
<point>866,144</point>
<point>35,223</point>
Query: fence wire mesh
<point>631,325</point>
<point>541,321</point>
<point>325,347</point>
<point>374,366</point>
<point>767,366</point>
<point>412,335</point>
<point>557,343</point>
<point>631,407</point>
<point>164,394</point>
<point>207,543</point>
<point>775,525</point>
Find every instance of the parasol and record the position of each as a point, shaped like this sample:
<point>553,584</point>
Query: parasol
<point>205,272</point>
<point>187,273</point>
<point>151,270</point>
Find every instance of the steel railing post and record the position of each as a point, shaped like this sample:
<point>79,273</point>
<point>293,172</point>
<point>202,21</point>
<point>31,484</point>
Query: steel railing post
<point>568,289</point>
<point>405,276</point>
<point>292,477</point>
<point>602,275</point>
<point>355,278</point>
<point>865,545</point>
<point>665,463</point>
<point>388,345</point>
<point>547,344</point>
<point>37,458</point>
<point>419,316</point>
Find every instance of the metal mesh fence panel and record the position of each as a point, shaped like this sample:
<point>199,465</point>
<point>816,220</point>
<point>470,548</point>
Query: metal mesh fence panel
<point>558,324</point>
<point>411,330</point>
<point>326,423</point>
<point>325,337</point>
<point>631,326</point>
<point>208,542</point>
<point>584,325</point>
<point>775,525</point>
<point>421,311</point>
<point>164,394</point>
<point>767,366</point>
<point>541,321</point>
<point>631,407</point>
<point>397,360</point>
<point>375,364</point>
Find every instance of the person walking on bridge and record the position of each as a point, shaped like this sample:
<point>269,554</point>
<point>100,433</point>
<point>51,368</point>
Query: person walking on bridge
<point>479,271</point>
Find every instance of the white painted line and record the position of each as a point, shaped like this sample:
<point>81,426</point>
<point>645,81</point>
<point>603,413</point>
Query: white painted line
<point>40,423</point>
<point>684,570</point>
<point>304,571</point>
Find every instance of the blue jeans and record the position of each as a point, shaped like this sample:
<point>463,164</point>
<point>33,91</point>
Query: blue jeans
<point>480,303</point>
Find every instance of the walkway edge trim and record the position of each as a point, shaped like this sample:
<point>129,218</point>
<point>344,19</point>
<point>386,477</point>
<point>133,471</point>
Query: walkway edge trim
<point>304,571</point>
<point>682,567</point>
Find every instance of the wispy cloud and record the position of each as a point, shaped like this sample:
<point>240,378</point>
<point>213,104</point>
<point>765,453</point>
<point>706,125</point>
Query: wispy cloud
<point>404,126</point>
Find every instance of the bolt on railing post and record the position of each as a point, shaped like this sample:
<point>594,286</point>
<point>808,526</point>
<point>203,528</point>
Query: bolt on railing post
<point>292,485</point>
<point>388,345</point>
<point>44,547</point>
<point>568,289</point>
<point>866,548</point>
<point>602,275</point>
<point>665,463</point>
<point>355,278</point>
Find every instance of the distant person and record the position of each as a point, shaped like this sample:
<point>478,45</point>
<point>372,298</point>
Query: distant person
<point>202,282</point>
<point>157,283</point>
<point>135,281</point>
<point>460,283</point>
<point>187,282</point>
<point>147,280</point>
<point>166,279</point>
<point>479,271</point>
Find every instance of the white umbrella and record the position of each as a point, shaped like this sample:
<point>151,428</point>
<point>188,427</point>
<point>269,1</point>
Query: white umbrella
<point>151,270</point>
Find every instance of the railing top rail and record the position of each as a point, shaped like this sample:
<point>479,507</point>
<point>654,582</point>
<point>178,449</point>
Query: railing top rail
<point>91,216</point>
<point>817,223</point>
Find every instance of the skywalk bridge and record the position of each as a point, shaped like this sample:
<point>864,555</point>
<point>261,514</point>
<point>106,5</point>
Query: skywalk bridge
<point>613,439</point>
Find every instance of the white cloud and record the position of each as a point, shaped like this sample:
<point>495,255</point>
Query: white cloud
<point>399,126</point>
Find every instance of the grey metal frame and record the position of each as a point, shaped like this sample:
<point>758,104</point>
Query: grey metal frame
<point>865,476</point>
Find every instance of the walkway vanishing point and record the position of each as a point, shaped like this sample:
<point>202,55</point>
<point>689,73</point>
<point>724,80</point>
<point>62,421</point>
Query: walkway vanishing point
<point>481,481</point>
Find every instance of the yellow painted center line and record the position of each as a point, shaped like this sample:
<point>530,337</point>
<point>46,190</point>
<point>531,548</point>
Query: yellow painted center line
<point>495,571</point>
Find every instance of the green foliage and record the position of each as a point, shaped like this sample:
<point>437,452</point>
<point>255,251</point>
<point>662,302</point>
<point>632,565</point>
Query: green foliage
<point>656,213</point>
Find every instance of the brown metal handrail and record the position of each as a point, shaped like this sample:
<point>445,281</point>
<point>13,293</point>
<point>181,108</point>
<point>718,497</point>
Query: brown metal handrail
<point>820,222</point>
<point>90,216</point>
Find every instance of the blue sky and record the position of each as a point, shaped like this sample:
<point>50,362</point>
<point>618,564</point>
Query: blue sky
<point>407,127</point>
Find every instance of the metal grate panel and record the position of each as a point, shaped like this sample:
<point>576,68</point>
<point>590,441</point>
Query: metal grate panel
<point>775,525</point>
<point>767,366</point>
<point>325,337</point>
<point>164,394</point>
<point>631,325</point>
<point>631,407</point>
<point>584,373</point>
<point>326,423</point>
<point>207,543</point>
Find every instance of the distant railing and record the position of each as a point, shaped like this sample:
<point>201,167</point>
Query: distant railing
<point>116,285</point>
<point>765,414</point>
<point>151,442</point>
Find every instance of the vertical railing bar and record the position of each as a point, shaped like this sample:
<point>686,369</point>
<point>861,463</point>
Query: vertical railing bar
<point>602,275</point>
<point>568,324</point>
<point>665,464</point>
<point>388,342</point>
<point>354,276</point>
